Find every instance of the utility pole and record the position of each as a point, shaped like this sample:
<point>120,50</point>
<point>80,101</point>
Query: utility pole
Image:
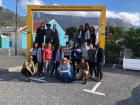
<point>16,31</point>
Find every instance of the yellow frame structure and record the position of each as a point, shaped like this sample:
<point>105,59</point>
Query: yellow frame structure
<point>31,8</point>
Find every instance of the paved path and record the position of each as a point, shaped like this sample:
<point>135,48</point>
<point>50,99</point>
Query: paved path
<point>121,87</point>
<point>10,61</point>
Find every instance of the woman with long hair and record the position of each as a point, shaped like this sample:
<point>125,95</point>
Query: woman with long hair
<point>80,35</point>
<point>56,39</point>
<point>87,36</point>
<point>33,52</point>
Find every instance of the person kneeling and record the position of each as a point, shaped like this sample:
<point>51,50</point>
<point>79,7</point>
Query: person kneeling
<point>65,72</point>
<point>28,68</point>
<point>83,73</point>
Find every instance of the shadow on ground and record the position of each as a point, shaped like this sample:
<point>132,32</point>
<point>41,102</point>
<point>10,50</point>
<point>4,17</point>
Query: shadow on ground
<point>5,75</point>
<point>109,69</point>
<point>133,100</point>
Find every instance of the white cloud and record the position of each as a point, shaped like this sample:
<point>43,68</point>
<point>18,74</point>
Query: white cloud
<point>1,3</point>
<point>24,3</point>
<point>132,18</point>
<point>56,4</point>
<point>72,13</point>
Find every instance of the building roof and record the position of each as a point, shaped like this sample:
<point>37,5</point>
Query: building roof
<point>36,25</point>
<point>57,24</point>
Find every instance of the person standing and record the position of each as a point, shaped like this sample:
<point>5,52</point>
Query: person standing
<point>40,59</point>
<point>80,35</point>
<point>47,59</point>
<point>28,68</point>
<point>87,36</point>
<point>75,56</point>
<point>98,62</point>
<point>33,52</point>
<point>40,34</point>
<point>67,51</point>
<point>92,34</point>
<point>57,57</point>
<point>84,51</point>
<point>91,55</point>
<point>97,33</point>
<point>49,34</point>
<point>56,39</point>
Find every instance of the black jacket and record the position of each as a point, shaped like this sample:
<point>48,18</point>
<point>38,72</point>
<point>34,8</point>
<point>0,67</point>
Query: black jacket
<point>40,36</point>
<point>99,57</point>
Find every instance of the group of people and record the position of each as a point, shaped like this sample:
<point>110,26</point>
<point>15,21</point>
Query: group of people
<point>51,35</point>
<point>86,33</point>
<point>78,62</point>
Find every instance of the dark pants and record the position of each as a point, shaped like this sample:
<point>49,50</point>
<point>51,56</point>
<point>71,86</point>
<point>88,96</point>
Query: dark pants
<point>47,40</point>
<point>74,67</point>
<point>34,59</point>
<point>56,44</point>
<point>74,63</point>
<point>40,67</point>
<point>26,73</point>
<point>88,41</point>
<point>79,42</point>
<point>92,68</point>
<point>56,65</point>
<point>99,71</point>
<point>93,42</point>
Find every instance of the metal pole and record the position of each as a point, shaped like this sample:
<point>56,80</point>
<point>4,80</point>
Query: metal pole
<point>16,29</point>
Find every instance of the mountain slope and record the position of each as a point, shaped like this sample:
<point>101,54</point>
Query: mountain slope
<point>7,18</point>
<point>66,21</point>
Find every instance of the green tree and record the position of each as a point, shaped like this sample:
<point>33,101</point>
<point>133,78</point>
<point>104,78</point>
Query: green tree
<point>132,39</point>
<point>71,32</point>
<point>112,51</point>
<point>115,32</point>
<point>114,43</point>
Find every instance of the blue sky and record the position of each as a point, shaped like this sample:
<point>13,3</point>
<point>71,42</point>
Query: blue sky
<point>127,10</point>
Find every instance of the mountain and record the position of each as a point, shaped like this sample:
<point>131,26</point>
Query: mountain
<point>66,21</point>
<point>7,18</point>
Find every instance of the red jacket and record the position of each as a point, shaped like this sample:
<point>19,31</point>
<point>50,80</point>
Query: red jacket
<point>47,54</point>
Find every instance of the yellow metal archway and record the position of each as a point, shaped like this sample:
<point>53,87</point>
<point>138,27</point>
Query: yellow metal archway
<point>31,8</point>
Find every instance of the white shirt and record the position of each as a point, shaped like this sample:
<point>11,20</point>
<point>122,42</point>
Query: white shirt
<point>85,52</point>
<point>33,51</point>
<point>87,35</point>
<point>80,34</point>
